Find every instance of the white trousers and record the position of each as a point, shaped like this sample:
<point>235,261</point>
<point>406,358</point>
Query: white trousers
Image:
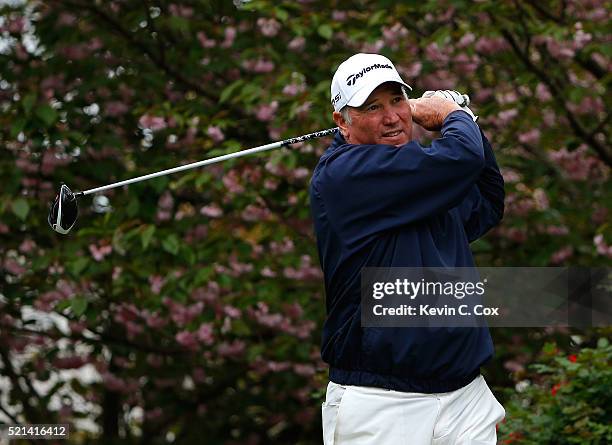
<point>360,415</point>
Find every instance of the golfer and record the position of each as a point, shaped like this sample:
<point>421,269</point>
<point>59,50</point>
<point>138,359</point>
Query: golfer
<point>380,199</point>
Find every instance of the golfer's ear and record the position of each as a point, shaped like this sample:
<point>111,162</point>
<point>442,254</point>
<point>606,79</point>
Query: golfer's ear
<point>342,124</point>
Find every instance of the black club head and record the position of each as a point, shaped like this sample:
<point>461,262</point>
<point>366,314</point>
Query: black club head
<point>64,211</point>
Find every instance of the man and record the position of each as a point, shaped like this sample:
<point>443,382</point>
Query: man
<point>380,199</point>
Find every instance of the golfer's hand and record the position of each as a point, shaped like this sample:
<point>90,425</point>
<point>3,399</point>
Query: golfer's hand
<point>430,112</point>
<point>463,100</point>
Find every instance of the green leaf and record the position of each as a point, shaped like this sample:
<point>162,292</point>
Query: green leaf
<point>325,31</point>
<point>228,91</point>
<point>78,265</point>
<point>133,206</point>
<point>21,208</point>
<point>146,235</point>
<point>28,103</point>
<point>47,114</point>
<point>78,305</point>
<point>602,342</point>
<point>18,126</point>
<point>281,14</point>
<point>171,244</point>
<point>377,17</point>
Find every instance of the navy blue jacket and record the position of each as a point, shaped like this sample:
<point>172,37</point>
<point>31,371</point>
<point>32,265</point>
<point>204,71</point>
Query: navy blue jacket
<point>408,206</point>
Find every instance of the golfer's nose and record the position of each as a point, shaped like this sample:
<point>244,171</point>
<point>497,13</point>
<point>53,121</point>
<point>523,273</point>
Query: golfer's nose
<point>390,117</point>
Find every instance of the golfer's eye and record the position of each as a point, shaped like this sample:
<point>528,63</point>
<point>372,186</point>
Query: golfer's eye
<point>397,99</point>
<point>372,107</point>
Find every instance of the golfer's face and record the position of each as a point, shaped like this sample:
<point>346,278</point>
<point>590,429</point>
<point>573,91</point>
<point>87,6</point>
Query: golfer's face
<point>384,118</point>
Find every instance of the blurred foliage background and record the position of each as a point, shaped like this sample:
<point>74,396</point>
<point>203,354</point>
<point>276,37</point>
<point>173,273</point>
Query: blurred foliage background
<point>187,309</point>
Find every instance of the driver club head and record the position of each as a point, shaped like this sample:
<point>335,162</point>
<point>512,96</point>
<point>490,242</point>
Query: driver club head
<point>64,211</point>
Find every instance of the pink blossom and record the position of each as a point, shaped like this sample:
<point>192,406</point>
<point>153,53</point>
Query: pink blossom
<point>208,294</point>
<point>510,175</point>
<point>255,213</point>
<point>306,271</point>
<point>435,54</point>
<point>232,311</point>
<point>212,211</point>
<point>116,108</point>
<point>339,16</point>
<point>117,270</point>
<point>186,339</point>
<point>156,283</point>
<point>15,25</point>
<point>154,320</point>
<point>69,362</point>
<point>373,47</point>
<point>77,327</point>
<point>268,27</point>
<point>27,246</point>
<point>215,134</point>
<point>578,165</point>
<point>265,113</point>
<point>205,41</point>
<point>601,246</point>
<point>231,182</point>
<point>487,45</point>
<point>153,123</point>
<point>283,247</point>
<point>300,173</point>
<point>233,349</point>
<point>205,333</point>
<point>540,199</point>
<point>181,10</point>
<point>530,137</point>
<point>303,109</point>
<point>392,35</point>
<point>556,230</point>
<point>542,92</point>
<point>506,116</point>
<point>293,89</point>
<point>267,272</point>
<point>297,44</point>
<point>259,66</point>
<point>198,375</point>
<point>305,370</point>
<point>412,70</point>
<point>278,366</point>
<point>66,19</point>
<point>153,414</point>
<point>229,36</point>
<point>270,184</point>
<point>98,253</point>
<point>562,255</point>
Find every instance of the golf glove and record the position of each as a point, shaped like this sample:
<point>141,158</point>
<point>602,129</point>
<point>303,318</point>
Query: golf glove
<point>463,100</point>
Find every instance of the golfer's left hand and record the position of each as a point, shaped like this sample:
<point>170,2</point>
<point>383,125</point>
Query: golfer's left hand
<point>463,100</point>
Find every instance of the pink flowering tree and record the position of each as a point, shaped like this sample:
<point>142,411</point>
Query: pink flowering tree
<point>192,304</point>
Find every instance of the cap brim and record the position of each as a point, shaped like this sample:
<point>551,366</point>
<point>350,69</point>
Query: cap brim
<point>362,95</point>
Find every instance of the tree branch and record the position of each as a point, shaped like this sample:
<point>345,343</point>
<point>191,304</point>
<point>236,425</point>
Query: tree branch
<point>558,96</point>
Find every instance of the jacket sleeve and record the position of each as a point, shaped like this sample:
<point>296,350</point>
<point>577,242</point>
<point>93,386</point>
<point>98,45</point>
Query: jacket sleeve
<point>483,208</point>
<point>366,189</point>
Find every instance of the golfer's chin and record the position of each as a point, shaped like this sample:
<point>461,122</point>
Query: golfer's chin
<point>396,138</point>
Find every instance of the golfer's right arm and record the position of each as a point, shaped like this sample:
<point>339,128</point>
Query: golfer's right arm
<point>370,188</point>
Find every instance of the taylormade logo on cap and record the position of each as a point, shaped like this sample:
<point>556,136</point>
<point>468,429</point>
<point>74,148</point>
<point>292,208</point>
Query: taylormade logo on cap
<point>358,76</point>
<point>350,80</point>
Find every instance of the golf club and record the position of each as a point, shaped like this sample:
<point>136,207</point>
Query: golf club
<point>64,210</point>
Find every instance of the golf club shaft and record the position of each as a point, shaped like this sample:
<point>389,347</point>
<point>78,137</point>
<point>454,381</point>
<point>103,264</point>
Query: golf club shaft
<point>316,134</point>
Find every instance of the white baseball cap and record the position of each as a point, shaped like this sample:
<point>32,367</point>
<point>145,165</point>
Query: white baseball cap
<point>358,76</point>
